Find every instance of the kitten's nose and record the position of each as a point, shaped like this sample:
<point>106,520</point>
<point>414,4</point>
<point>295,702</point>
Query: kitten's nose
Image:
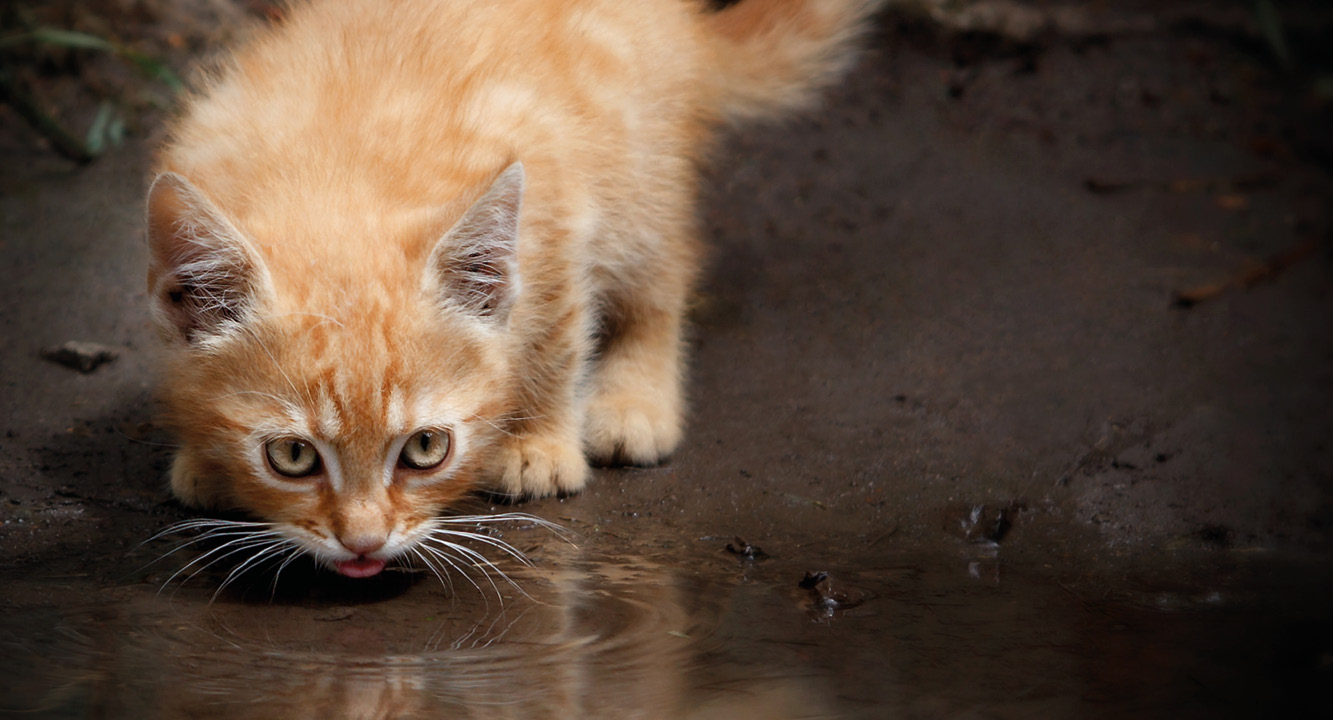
<point>363,544</point>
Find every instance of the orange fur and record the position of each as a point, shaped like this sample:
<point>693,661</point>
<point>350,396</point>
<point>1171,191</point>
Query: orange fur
<point>382,216</point>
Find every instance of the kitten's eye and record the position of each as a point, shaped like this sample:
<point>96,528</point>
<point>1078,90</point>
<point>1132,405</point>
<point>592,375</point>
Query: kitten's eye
<point>292,457</point>
<point>426,449</point>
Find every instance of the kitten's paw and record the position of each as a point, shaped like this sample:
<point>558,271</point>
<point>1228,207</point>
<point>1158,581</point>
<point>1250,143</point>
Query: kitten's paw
<point>631,430</point>
<point>536,466</point>
<point>189,484</point>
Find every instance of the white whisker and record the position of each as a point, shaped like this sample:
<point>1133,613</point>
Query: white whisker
<point>264,552</point>
<point>502,518</point>
<point>215,535</point>
<point>477,561</point>
<point>442,577</point>
<point>198,523</point>
<point>460,564</point>
<point>451,562</point>
<point>501,545</point>
<point>437,539</point>
<point>231,546</point>
<point>294,553</point>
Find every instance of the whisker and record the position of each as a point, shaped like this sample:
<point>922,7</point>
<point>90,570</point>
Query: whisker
<point>509,498</point>
<point>235,546</point>
<point>239,535</point>
<point>292,555</point>
<point>437,541</point>
<point>503,518</point>
<point>453,563</point>
<point>214,561</point>
<point>194,523</point>
<point>442,577</point>
<point>263,553</point>
<point>479,562</point>
<point>215,533</point>
<point>494,542</point>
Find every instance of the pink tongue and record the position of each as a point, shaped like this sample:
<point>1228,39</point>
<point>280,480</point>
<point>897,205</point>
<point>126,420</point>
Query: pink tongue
<point>360,567</point>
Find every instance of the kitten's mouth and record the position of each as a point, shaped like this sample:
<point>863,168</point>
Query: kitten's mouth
<point>359,568</point>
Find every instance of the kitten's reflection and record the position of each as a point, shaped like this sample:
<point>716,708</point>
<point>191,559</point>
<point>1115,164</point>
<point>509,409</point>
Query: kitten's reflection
<point>593,640</point>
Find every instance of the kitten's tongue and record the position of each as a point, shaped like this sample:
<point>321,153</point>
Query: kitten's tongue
<point>360,567</point>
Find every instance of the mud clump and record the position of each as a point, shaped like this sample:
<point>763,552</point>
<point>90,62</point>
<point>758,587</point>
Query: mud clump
<point>981,523</point>
<point>746,551</point>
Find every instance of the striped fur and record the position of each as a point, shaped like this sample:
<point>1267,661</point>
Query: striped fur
<point>387,215</point>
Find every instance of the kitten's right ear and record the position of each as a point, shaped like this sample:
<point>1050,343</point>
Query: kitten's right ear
<point>202,275</point>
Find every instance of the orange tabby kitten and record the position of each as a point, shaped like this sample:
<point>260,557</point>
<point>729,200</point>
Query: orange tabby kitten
<point>404,249</point>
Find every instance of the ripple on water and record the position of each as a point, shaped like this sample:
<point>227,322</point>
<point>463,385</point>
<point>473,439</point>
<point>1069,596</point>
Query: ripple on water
<point>586,638</point>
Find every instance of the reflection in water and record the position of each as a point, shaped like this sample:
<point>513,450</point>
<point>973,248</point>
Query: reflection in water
<point>592,640</point>
<point>696,634</point>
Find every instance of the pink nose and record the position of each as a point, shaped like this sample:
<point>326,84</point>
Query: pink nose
<point>363,544</point>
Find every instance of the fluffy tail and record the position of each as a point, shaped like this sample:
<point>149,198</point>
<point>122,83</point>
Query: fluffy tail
<point>772,56</point>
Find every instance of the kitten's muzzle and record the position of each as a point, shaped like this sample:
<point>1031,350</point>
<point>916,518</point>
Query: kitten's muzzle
<point>363,565</point>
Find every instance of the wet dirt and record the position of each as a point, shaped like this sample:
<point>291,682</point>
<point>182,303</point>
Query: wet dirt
<point>955,449</point>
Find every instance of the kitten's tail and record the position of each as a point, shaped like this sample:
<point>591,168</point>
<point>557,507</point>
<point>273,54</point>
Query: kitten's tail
<point>772,56</point>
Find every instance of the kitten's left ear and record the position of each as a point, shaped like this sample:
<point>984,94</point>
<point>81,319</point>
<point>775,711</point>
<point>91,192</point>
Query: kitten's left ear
<point>475,265</point>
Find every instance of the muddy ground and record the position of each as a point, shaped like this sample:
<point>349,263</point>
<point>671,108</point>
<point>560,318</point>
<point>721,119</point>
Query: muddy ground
<point>1010,398</point>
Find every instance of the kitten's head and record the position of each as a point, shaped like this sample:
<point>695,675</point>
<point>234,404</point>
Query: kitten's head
<point>343,391</point>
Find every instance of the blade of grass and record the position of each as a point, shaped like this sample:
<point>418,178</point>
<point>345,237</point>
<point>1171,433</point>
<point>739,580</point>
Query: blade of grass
<point>72,39</point>
<point>155,69</point>
<point>59,38</point>
<point>97,132</point>
<point>149,66</point>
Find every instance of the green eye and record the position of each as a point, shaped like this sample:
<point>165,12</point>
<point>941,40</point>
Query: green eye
<point>292,457</point>
<point>425,449</point>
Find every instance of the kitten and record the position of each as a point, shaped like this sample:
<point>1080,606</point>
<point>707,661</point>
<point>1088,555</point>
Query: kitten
<point>403,250</point>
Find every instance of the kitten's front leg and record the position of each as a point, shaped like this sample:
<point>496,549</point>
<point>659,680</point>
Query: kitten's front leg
<point>635,406</point>
<point>634,410</point>
<point>542,454</point>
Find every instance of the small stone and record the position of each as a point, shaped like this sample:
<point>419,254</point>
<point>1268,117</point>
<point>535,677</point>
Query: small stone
<point>82,356</point>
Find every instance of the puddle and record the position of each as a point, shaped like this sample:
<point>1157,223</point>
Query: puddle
<point>698,632</point>
<point>590,638</point>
